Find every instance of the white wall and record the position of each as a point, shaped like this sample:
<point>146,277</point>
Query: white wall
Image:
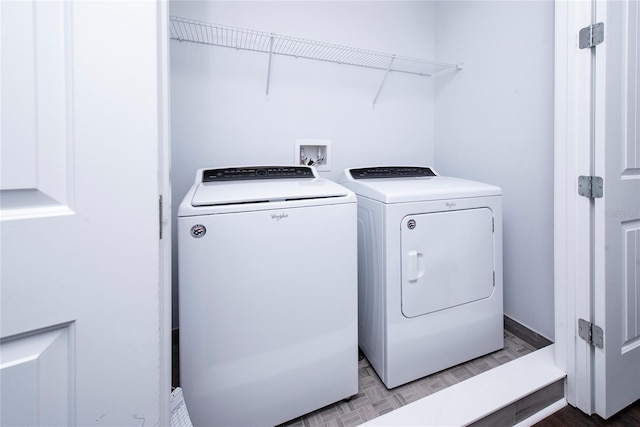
<point>221,116</point>
<point>490,122</point>
<point>494,123</point>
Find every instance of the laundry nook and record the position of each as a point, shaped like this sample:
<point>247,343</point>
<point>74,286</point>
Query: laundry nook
<point>261,213</point>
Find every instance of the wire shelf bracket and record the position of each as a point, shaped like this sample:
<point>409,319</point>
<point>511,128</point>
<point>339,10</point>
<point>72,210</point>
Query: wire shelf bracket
<point>269,66</point>
<point>195,31</point>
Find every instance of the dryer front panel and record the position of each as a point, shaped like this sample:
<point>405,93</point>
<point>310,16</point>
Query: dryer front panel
<point>447,259</point>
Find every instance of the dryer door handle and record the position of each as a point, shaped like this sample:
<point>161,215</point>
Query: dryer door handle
<point>414,267</point>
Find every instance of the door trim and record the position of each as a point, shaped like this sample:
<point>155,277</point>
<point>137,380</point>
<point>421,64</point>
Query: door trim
<point>164,185</point>
<point>572,213</point>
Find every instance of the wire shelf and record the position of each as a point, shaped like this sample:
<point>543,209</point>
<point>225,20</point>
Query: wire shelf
<point>185,29</point>
<point>192,30</point>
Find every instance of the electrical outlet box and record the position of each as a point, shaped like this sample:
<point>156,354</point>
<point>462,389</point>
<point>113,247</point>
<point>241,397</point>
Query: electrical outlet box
<point>313,152</point>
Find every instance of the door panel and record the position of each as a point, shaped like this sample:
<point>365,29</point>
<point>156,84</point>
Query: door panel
<point>36,63</point>
<point>631,287</point>
<point>631,90</point>
<point>447,259</point>
<point>36,374</point>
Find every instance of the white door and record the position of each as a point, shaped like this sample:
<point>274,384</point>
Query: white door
<point>617,214</point>
<point>82,310</point>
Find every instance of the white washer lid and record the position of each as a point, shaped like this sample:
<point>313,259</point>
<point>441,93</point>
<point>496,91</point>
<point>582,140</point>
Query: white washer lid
<point>233,192</point>
<point>403,189</point>
<point>235,189</point>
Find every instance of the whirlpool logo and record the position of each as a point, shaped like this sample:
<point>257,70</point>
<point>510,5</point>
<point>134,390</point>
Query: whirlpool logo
<point>280,216</point>
<point>198,231</point>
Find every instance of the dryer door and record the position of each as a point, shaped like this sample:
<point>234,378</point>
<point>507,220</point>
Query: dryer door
<point>447,259</point>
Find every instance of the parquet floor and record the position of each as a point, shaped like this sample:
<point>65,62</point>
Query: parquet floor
<point>374,399</point>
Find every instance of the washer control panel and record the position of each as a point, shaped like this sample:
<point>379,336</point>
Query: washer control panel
<point>253,173</point>
<point>391,172</point>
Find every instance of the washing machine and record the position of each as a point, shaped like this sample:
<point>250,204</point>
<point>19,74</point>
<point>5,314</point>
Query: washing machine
<point>267,295</point>
<point>429,269</point>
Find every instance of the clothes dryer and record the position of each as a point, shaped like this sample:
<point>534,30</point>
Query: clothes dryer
<point>429,269</point>
<point>267,295</point>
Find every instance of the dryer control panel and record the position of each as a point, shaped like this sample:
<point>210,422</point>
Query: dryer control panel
<point>260,172</point>
<point>391,172</point>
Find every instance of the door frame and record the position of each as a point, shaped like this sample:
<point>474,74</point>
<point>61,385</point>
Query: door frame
<point>164,207</point>
<point>575,147</point>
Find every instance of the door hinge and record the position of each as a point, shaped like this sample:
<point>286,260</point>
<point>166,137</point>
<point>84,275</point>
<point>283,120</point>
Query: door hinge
<point>591,36</point>
<point>160,215</point>
<point>591,333</point>
<point>591,187</point>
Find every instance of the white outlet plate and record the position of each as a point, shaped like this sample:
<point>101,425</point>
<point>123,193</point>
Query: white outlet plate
<point>316,151</point>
